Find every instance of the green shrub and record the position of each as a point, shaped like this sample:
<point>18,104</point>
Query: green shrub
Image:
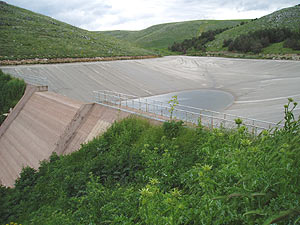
<point>11,91</point>
<point>138,173</point>
<point>257,40</point>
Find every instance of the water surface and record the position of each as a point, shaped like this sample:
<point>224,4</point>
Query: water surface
<point>210,99</point>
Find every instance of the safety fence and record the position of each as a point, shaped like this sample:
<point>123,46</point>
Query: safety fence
<point>190,115</point>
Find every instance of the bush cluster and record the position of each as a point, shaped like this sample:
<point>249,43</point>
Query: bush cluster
<point>138,173</point>
<point>257,40</point>
<point>197,43</point>
<point>11,91</point>
<point>293,42</point>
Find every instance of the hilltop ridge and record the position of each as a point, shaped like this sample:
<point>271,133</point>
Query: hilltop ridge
<point>163,35</point>
<point>160,37</point>
<point>284,18</point>
<point>25,34</point>
<point>28,35</point>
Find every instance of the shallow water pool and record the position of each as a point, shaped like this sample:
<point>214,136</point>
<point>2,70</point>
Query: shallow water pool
<point>210,99</point>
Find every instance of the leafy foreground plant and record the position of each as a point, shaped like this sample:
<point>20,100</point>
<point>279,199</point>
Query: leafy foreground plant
<point>138,173</point>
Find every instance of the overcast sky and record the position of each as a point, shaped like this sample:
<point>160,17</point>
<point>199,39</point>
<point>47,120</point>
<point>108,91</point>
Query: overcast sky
<point>140,14</point>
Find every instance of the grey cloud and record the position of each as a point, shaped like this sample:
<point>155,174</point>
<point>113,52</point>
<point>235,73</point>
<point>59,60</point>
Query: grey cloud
<point>90,14</point>
<point>248,5</point>
<point>64,9</point>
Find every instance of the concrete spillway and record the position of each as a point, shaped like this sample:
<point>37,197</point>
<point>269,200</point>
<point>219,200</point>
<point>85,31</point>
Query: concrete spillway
<point>45,122</point>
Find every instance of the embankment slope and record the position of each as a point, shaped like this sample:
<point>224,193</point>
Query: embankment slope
<point>47,123</point>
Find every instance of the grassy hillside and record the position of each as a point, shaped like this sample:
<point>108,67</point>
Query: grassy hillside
<point>24,34</point>
<point>163,35</point>
<point>288,17</point>
<point>11,91</point>
<point>138,173</point>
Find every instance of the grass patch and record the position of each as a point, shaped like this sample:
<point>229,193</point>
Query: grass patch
<point>278,48</point>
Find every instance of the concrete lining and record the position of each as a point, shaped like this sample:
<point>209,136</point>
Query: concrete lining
<point>67,136</point>
<point>260,87</point>
<point>46,122</point>
<point>29,91</point>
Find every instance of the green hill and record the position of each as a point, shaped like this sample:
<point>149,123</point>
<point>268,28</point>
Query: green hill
<point>163,35</point>
<point>288,17</point>
<point>25,34</point>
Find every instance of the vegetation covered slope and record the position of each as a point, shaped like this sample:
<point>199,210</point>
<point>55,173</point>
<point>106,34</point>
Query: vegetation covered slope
<point>24,34</point>
<point>137,173</point>
<point>163,35</point>
<point>284,18</point>
<point>11,91</point>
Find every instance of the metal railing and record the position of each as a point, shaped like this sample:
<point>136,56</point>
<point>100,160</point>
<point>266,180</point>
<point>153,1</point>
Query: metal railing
<point>34,80</point>
<point>190,115</point>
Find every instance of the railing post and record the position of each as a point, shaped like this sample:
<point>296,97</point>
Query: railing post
<point>140,104</point>
<point>186,116</point>
<point>153,107</point>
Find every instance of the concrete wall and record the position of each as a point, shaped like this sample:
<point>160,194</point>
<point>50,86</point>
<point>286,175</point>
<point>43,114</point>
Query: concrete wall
<point>30,90</point>
<point>44,122</point>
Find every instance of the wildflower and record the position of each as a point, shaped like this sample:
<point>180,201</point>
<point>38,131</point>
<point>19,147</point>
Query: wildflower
<point>146,192</point>
<point>206,167</point>
<point>246,142</point>
<point>176,192</point>
<point>154,181</point>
